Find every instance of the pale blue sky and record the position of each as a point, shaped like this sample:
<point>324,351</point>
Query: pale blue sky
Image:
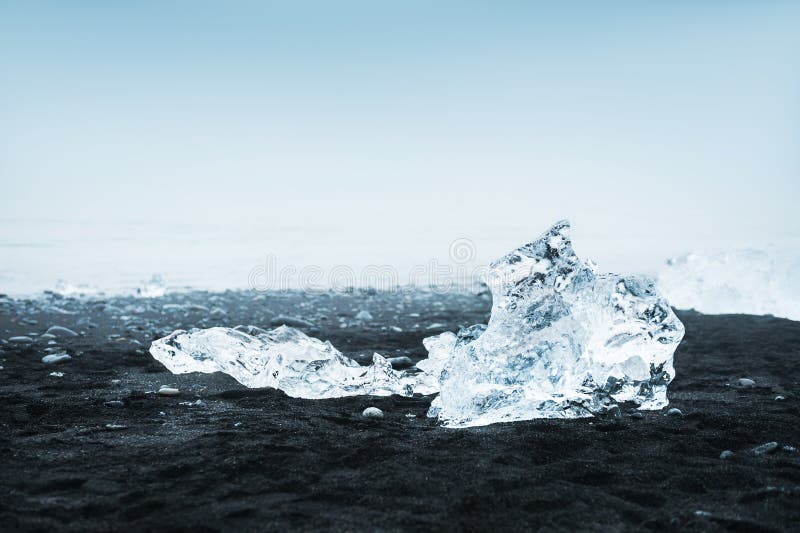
<point>664,119</point>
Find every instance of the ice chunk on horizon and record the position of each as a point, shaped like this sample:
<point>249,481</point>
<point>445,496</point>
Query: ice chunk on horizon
<point>562,342</point>
<point>283,358</point>
<point>735,281</point>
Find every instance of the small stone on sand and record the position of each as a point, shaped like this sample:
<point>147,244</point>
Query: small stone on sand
<point>674,412</point>
<point>363,315</point>
<point>372,412</point>
<point>401,362</point>
<point>726,454</point>
<point>290,321</point>
<point>56,358</point>
<point>168,391</point>
<point>746,382</point>
<point>60,331</point>
<point>765,448</point>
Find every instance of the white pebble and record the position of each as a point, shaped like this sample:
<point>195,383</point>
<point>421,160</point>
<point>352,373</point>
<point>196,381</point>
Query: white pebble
<point>372,412</point>
<point>746,382</point>
<point>56,358</point>
<point>168,391</point>
<point>768,447</point>
<point>62,331</point>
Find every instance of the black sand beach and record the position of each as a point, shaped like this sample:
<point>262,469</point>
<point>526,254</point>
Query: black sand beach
<point>84,452</point>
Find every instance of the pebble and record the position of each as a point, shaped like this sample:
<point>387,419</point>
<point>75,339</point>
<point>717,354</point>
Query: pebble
<point>56,358</point>
<point>115,427</point>
<point>396,329</point>
<point>674,412</point>
<point>61,331</point>
<point>746,382</point>
<point>168,391</point>
<point>401,362</point>
<point>372,412</point>
<point>57,374</point>
<point>768,447</point>
<point>48,336</point>
<point>20,339</point>
<point>114,403</point>
<point>294,322</point>
<point>637,415</point>
<point>726,454</point>
<point>780,398</point>
<point>197,403</point>
<point>363,315</point>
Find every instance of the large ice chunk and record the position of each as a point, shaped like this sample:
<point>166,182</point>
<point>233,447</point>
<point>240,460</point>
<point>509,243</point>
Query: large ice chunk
<point>563,341</point>
<point>284,358</point>
<point>735,281</point>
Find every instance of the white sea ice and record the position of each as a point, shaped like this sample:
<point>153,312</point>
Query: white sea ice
<point>735,281</point>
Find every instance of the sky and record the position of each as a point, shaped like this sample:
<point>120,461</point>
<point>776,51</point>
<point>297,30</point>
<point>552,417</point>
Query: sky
<point>663,121</point>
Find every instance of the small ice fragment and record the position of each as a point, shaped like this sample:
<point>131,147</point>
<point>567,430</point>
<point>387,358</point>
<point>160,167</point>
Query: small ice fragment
<point>372,412</point>
<point>765,448</point>
<point>20,339</point>
<point>56,358</point>
<point>636,415</point>
<point>780,398</point>
<point>674,412</point>
<point>116,427</point>
<point>156,287</point>
<point>60,331</point>
<point>437,325</point>
<point>396,329</point>
<point>166,390</point>
<point>746,382</point>
<point>726,454</point>
<point>56,374</point>
<point>363,315</point>
<point>704,514</point>
<point>172,307</point>
<point>115,403</point>
<point>283,358</point>
<point>218,312</point>
<point>788,448</point>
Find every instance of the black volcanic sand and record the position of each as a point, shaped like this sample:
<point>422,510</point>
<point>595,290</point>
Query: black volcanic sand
<point>259,460</point>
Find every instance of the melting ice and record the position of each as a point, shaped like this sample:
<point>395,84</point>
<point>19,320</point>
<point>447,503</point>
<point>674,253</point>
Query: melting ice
<point>735,281</point>
<point>563,341</point>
